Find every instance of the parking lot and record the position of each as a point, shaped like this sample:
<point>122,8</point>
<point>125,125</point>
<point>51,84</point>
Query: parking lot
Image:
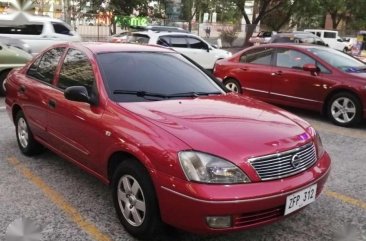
<point>69,204</point>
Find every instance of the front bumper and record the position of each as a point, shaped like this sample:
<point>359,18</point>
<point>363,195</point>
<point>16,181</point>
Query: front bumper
<point>186,205</point>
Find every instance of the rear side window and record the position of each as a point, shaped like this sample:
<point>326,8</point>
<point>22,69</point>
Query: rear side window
<point>76,71</point>
<point>330,35</point>
<point>27,29</point>
<point>178,42</point>
<point>261,56</point>
<point>60,28</point>
<point>44,68</point>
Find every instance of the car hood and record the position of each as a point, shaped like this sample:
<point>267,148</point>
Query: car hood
<point>229,126</point>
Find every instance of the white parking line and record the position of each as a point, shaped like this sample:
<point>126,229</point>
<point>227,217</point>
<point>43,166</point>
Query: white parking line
<point>2,108</point>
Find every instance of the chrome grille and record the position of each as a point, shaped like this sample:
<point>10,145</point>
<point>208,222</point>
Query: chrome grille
<point>284,164</point>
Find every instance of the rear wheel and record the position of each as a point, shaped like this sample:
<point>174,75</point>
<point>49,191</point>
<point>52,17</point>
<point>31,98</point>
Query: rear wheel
<point>2,78</point>
<point>233,85</point>
<point>344,109</point>
<point>26,142</point>
<point>135,200</point>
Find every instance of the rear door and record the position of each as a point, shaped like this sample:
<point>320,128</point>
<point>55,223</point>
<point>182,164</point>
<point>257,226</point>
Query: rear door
<point>36,89</point>
<point>292,85</point>
<point>254,71</point>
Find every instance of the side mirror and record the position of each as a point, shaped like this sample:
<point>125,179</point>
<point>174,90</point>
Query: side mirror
<point>77,93</point>
<point>339,40</point>
<point>312,68</point>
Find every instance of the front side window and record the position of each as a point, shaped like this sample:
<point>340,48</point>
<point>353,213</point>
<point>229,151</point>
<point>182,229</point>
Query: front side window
<point>195,43</point>
<point>44,68</point>
<point>76,71</point>
<point>164,41</point>
<point>27,29</point>
<point>61,29</point>
<point>289,58</point>
<point>178,42</point>
<point>261,56</point>
<point>151,72</point>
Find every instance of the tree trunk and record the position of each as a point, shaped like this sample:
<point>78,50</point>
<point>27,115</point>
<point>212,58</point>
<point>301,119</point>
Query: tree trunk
<point>249,30</point>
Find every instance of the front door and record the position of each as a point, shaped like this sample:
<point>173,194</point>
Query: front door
<point>294,86</point>
<point>72,125</point>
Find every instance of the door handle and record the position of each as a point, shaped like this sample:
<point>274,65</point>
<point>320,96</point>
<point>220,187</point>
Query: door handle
<point>276,73</point>
<point>52,104</point>
<point>21,89</point>
<point>244,68</point>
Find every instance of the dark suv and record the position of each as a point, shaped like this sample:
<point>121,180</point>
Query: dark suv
<point>297,37</point>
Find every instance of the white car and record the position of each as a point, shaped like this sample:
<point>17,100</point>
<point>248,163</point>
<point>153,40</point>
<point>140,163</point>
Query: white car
<point>188,44</point>
<point>331,38</point>
<point>38,32</point>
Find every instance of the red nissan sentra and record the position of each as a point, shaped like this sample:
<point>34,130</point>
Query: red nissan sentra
<point>174,146</point>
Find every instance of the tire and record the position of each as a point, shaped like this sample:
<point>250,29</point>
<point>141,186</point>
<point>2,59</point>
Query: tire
<point>135,200</point>
<point>344,109</point>
<point>26,142</point>
<point>233,85</point>
<point>2,78</point>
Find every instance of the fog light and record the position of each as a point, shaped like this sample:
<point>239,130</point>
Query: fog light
<point>219,221</point>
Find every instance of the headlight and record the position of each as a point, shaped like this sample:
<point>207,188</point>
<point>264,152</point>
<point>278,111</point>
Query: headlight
<point>201,167</point>
<point>319,145</point>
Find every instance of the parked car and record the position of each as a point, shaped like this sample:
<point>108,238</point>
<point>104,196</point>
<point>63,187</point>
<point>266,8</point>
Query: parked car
<point>10,57</point>
<point>120,37</point>
<point>304,76</point>
<point>18,43</point>
<point>188,44</point>
<point>331,38</point>
<point>262,37</point>
<point>174,146</point>
<point>39,32</point>
<point>297,37</point>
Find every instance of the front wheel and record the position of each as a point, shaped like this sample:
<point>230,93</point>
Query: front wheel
<point>233,85</point>
<point>135,200</point>
<point>344,109</point>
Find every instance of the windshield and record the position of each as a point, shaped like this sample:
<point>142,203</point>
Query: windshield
<point>338,59</point>
<point>146,76</point>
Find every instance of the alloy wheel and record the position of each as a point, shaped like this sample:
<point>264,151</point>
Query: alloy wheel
<point>23,133</point>
<point>131,200</point>
<point>232,87</point>
<point>343,110</point>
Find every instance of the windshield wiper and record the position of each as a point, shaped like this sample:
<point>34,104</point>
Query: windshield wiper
<point>139,93</point>
<point>165,96</point>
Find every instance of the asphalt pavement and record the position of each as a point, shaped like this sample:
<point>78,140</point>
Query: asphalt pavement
<point>69,204</point>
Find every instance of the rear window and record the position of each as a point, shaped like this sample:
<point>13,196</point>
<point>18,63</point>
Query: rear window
<point>28,29</point>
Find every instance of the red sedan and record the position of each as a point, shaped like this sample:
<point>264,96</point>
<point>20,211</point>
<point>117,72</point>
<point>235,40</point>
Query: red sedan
<point>174,146</point>
<point>305,76</point>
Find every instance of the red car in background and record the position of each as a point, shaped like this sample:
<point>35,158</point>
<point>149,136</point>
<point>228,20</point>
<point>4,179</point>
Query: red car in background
<point>304,76</point>
<point>174,146</point>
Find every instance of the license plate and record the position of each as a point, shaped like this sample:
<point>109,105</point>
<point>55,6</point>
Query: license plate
<point>300,199</point>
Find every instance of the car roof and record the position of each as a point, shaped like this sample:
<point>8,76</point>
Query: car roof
<point>291,45</point>
<point>25,17</point>
<point>104,47</point>
<point>159,33</point>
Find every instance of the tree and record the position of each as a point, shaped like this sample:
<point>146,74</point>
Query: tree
<point>262,9</point>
